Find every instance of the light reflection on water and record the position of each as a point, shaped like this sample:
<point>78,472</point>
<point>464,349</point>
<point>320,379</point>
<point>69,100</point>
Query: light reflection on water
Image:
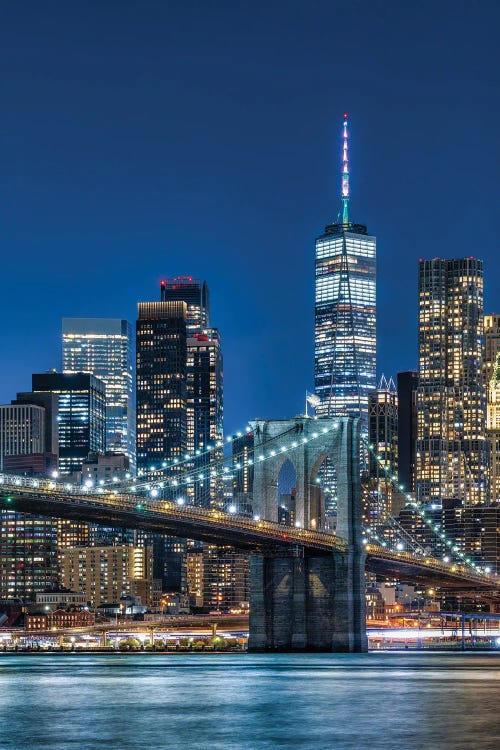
<point>250,702</point>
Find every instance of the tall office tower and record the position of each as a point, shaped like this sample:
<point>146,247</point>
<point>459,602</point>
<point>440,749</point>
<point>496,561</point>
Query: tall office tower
<point>452,450</point>
<point>383,428</point>
<point>28,543</point>
<point>382,436</point>
<point>161,352</point>
<point>81,415</point>
<point>491,345</point>
<point>103,347</point>
<point>205,415</point>
<point>407,428</point>
<point>493,428</point>
<point>22,430</point>
<point>196,296</point>
<point>345,312</point>
<point>204,384</point>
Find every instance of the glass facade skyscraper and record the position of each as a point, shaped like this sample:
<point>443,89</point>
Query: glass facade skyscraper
<point>345,354</point>
<point>81,415</point>
<point>103,347</point>
<point>452,450</point>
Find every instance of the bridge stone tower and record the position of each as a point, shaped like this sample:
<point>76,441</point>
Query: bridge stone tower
<point>303,601</point>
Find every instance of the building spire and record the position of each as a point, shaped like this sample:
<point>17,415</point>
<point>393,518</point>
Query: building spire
<point>345,175</point>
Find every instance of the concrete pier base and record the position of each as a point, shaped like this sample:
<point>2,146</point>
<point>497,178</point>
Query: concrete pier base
<point>307,603</point>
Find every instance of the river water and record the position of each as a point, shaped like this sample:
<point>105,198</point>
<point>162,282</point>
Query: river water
<point>250,702</point>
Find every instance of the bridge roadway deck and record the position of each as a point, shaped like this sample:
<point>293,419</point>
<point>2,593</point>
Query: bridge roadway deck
<point>49,498</point>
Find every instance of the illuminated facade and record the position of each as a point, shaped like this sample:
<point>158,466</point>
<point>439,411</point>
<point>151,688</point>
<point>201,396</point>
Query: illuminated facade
<point>493,428</point>
<point>345,314</point>
<point>22,430</point>
<point>105,574</point>
<point>103,347</point>
<point>491,376</point>
<point>204,410</point>
<point>161,351</point>
<point>452,451</point>
<point>28,554</point>
<point>382,436</point>
<point>204,385</point>
<point>196,296</point>
<point>491,345</point>
<point>81,415</point>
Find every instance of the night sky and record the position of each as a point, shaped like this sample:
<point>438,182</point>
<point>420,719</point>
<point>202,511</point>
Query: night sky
<point>141,140</point>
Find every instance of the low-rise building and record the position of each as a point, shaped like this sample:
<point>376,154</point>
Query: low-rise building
<point>59,619</point>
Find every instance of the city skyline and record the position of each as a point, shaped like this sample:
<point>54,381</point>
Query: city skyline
<point>250,186</point>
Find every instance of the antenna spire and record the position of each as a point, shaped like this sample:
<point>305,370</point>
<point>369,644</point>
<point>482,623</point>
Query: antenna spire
<point>345,175</point>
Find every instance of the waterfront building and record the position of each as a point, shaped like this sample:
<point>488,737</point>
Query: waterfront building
<point>226,581</point>
<point>194,574</point>
<point>103,347</point>
<point>59,619</point>
<point>407,384</point>
<point>345,358</point>
<point>81,415</point>
<point>28,543</point>
<point>105,574</point>
<point>28,554</point>
<point>452,450</point>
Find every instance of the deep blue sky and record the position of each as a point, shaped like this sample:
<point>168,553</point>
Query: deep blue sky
<point>143,139</point>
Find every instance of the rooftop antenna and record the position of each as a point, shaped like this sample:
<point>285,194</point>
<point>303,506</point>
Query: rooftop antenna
<point>345,175</point>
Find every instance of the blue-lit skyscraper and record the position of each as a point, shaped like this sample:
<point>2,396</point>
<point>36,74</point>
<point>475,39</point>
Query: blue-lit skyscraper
<point>345,355</point>
<point>103,347</point>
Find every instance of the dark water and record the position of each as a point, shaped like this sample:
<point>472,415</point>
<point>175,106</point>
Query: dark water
<point>244,702</point>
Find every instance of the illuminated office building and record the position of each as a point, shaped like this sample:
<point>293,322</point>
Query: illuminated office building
<point>345,313</point>
<point>103,347</point>
<point>22,430</point>
<point>81,415</point>
<point>161,351</point>
<point>204,385</point>
<point>196,296</point>
<point>452,450</point>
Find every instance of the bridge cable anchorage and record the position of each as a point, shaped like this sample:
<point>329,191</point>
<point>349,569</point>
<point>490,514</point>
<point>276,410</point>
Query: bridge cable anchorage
<point>452,545</point>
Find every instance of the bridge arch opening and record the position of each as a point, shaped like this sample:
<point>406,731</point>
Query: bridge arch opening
<point>286,493</point>
<point>324,501</point>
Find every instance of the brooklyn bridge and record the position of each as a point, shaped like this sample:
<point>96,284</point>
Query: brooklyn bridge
<point>307,583</point>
